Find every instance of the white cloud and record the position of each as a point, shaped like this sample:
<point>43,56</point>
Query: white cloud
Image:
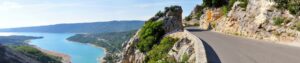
<point>19,13</point>
<point>9,5</point>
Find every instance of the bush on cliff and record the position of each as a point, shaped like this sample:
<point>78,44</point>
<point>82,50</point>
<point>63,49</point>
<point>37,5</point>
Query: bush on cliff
<point>214,3</point>
<point>159,53</point>
<point>298,26</point>
<point>150,35</point>
<point>226,5</point>
<point>243,4</point>
<point>292,5</point>
<point>278,21</point>
<point>188,18</point>
<point>225,10</point>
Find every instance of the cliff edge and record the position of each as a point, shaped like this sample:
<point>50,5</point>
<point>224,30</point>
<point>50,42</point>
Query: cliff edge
<point>163,39</point>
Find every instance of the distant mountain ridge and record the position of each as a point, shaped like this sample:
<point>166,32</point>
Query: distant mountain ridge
<point>93,27</point>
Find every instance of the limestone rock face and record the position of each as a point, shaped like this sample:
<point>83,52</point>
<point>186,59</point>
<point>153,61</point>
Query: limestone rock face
<point>172,22</point>
<point>183,47</point>
<point>193,18</point>
<point>131,54</point>
<point>10,56</point>
<point>171,17</point>
<point>256,21</point>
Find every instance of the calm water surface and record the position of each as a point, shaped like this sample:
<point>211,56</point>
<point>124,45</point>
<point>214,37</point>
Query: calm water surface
<point>79,53</point>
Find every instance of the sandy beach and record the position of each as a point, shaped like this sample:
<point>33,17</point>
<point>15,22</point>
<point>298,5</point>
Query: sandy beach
<point>65,58</point>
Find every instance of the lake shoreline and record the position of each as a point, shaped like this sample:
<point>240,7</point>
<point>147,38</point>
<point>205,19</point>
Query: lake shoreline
<point>65,58</point>
<point>69,51</point>
<point>99,59</point>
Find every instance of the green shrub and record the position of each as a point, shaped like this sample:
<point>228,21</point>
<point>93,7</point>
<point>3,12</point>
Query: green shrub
<point>199,11</point>
<point>298,26</point>
<point>231,3</point>
<point>244,3</point>
<point>225,9</point>
<point>281,4</point>
<point>160,51</point>
<point>278,21</point>
<point>213,24</point>
<point>149,35</point>
<point>214,3</point>
<point>292,5</point>
<point>196,24</point>
<point>159,13</point>
<point>188,18</point>
<point>184,58</point>
<point>198,15</point>
<point>294,9</point>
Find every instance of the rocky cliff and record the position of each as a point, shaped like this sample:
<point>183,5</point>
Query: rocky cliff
<point>162,39</point>
<point>257,19</point>
<point>7,55</point>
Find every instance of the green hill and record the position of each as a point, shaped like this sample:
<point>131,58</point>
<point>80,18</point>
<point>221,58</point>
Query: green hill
<point>14,49</point>
<point>94,27</point>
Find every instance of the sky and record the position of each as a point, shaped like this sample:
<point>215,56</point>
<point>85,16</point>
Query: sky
<point>24,13</point>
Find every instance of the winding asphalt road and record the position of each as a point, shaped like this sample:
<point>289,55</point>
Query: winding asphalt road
<point>222,48</point>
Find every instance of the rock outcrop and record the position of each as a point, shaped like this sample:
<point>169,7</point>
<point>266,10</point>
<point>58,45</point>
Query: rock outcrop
<point>130,53</point>
<point>172,26</point>
<point>260,19</point>
<point>8,55</point>
<point>171,19</point>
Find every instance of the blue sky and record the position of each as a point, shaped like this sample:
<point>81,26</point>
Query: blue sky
<point>20,13</point>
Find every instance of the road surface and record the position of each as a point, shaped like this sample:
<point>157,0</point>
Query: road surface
<point>222,48</point>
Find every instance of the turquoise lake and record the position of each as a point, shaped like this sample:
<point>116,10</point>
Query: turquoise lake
<point>79,53</point>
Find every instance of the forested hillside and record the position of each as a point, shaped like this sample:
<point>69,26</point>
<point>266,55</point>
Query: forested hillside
<point>111,41</point>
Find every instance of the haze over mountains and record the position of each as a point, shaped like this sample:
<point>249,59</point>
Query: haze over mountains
<point>93,27</point>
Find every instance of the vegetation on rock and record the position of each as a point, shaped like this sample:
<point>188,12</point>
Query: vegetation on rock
<point>184,58</point>
<point>198,10</point>
<point>221,3</point>
<point>159,13</point>
<point>198,15</point>
<point>244,3</point>
<point>188,18</point>
<point>214,3</point>
<point>228,7</point>
<point>150,35</point>
<point>225,5</point>
<point>278,21</point>
<point>292,5</point>
<point>159,53</point>
<point>298,26</point>
<point>225,10</point>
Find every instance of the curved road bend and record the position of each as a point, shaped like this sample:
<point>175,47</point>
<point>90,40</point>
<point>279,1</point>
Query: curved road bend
<point>222,48</point>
